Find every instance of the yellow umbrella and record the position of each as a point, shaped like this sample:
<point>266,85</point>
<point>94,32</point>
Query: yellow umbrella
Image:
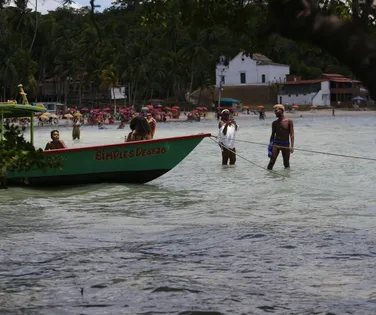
<point>68,116</point>
<point>77,114</point>
<point>44,117</point>
<point>54,116</point>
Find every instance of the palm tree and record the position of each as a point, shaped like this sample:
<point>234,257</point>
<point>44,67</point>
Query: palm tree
<point>110,80</point>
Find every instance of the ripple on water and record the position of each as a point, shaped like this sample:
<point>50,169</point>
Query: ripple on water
<point>202,239</point>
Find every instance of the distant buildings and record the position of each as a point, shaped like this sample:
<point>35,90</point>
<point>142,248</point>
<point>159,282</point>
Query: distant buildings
<point>330,89</point>
<point>255,70</point>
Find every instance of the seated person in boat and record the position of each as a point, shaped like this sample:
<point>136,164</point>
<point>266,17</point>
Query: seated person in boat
<point>56,143</point>
<point>140,129</point>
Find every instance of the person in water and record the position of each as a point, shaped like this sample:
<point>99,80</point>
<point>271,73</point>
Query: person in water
<point>152,123</point>
<point>140,129</point>
<point>76,128</point>
<point>226,137</point>
<point>56,143</point>
<point>282,134</point>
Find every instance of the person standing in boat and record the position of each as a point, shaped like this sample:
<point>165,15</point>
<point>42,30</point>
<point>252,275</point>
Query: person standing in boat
<point>226,137</point>
<point>282,134</point>
<point>56,143</point>
<point>76,128</point>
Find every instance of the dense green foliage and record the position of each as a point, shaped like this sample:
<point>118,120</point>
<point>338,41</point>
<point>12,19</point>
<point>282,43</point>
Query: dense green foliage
<point>159,48</point>
<point>20,155</point>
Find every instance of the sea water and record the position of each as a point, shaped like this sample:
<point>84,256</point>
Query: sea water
<point>204,238</point>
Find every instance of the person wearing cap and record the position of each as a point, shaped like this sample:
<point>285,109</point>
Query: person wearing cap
<point>282,134</point>
<point>226,137</point>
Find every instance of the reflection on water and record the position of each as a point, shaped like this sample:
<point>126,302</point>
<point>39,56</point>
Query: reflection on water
<point>202,239</point>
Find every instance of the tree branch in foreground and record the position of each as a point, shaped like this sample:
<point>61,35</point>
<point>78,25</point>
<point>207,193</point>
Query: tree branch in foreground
<point>300,20</point>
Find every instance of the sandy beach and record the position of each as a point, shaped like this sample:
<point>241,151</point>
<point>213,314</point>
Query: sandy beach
<point>251,116</point>
<point>321,113</point>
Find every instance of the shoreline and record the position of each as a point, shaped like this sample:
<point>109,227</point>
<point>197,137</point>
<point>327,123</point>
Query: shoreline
<point>212,116</point>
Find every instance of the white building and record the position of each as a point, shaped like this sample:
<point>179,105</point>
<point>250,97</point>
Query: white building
<point>305,92</point>
<point>119,92</point>
<point>243,70</point>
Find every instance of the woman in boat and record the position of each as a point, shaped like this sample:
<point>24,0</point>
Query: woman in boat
<point>56,143</point>
<point>140,129</point>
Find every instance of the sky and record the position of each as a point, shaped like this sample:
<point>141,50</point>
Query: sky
<point>45,5</point>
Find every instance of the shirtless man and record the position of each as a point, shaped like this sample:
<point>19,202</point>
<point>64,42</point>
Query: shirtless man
<point>282,133</point>
<point>56,143</point>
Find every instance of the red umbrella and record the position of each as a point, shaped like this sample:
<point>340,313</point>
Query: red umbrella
<point>106,109</point>
<point>204,108</point>
<point>175,107</point>
<point>198,108</point>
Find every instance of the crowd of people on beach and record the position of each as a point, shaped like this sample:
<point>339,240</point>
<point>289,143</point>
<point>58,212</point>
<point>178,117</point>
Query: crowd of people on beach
<point>143,127</point>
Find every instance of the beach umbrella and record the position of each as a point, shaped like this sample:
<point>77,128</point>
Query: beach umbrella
<point>77,114</point>
<point>54,116</point>
<point>198,108</point>
<point>84,109</point>
<point>106,109</point>
<point>245,107</point>
<point>358,98</point>
<point>176,107</point>
<point>260,107</point>
<point>295,106</point>
<point>44,117</point>
<point>313,106</point>
<point>204,108</point>
<point>68,116</point>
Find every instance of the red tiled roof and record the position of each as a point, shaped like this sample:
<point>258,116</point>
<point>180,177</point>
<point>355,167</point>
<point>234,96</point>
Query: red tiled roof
<point>305,81</point>
<point>332,75</point>
<point>344,80</point>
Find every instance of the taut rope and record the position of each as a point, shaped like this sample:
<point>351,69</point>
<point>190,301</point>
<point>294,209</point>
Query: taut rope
<point>311,151</point>
<point>242,157</point>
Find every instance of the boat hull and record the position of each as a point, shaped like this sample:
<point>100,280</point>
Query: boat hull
<point>130,162</point>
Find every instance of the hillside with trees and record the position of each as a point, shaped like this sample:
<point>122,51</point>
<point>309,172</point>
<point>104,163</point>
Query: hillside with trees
<point>158,49</point>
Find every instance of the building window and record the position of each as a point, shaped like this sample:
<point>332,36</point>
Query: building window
<point>263,78</point>
<point>242,78</point>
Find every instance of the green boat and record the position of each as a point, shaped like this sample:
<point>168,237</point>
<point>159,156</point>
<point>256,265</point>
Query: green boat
<point>128,162</point>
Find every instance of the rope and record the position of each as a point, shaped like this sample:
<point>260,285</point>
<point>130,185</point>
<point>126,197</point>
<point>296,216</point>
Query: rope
<point>312,151</point>
<point>242,157</point>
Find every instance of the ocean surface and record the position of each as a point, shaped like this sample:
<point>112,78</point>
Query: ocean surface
<point>204,239</point>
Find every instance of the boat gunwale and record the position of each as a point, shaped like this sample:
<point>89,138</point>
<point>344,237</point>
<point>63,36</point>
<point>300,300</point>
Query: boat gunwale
<point>126,144</point>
